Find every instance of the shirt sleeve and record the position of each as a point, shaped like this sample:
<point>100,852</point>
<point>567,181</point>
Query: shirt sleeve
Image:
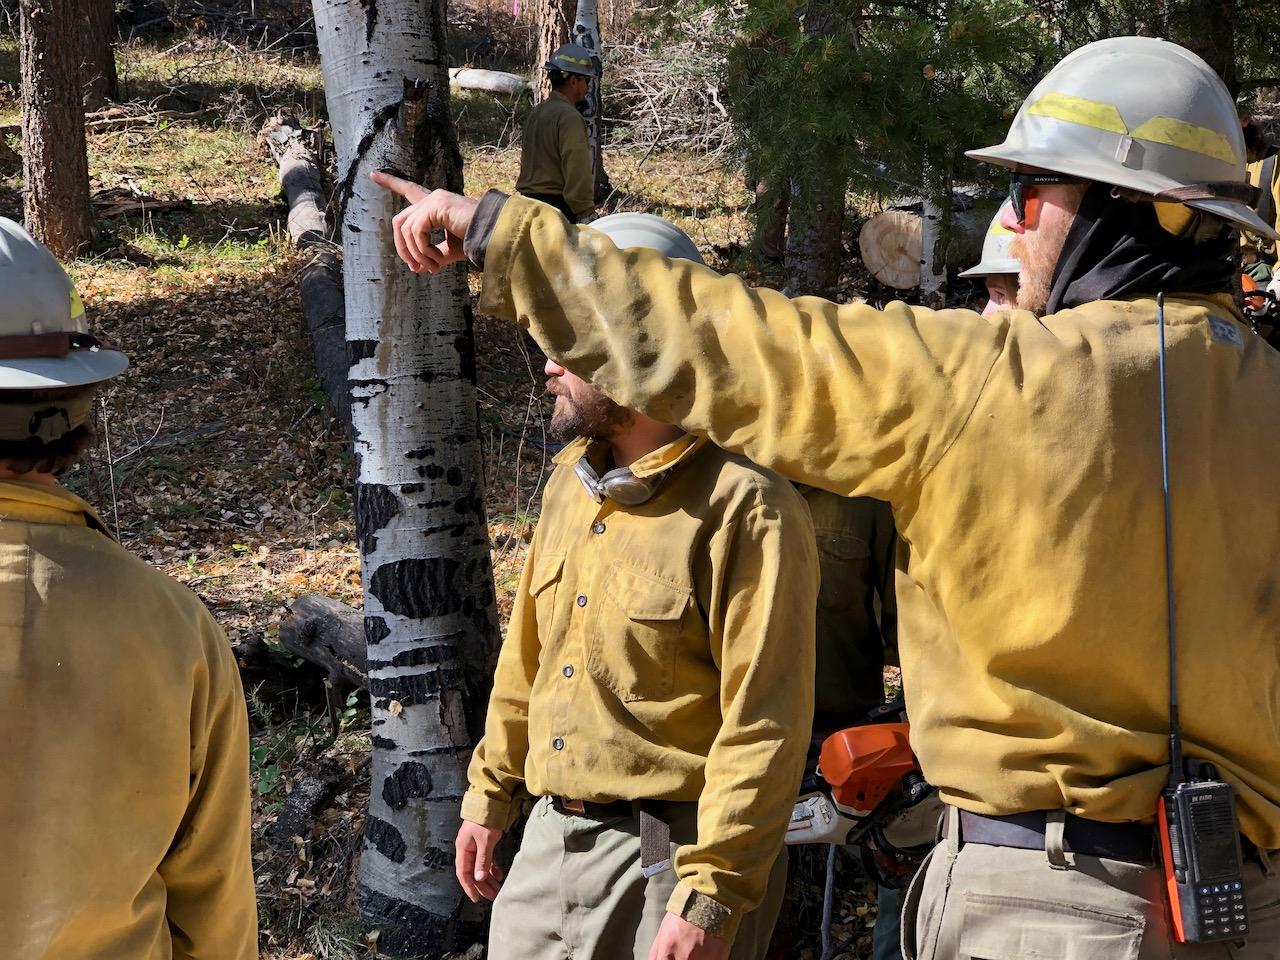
<point>208,873</point>
<point>762,626</point>
<point>859,401</point>
<point>496,773</point>
<point>575,165</point>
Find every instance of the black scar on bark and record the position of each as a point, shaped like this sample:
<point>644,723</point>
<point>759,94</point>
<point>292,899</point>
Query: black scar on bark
<point>385,838</point>
<point>420,587</point>
<point>406,930</point>
<point>411,781</point>
<point>439,652</point>
<point>465,344</point>
<point>382,743</point>
<point>454,477</point>
<point>375,631</point>
<point>412,487</point>
<point>414,689</point>
<point>420,454</point>
<point>375,507</point>
<point>358,350</point>
<point>370,19</point>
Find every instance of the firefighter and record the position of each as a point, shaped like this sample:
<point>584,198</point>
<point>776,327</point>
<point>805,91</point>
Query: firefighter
<point>555,156</point>
<point>1022,458</point>
<point>645,689</point>
<point>998,268</point>
<point>124,778</point>
<point>1258,253</point>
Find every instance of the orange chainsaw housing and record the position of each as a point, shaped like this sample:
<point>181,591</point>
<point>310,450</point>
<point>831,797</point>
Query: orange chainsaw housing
<point>864,764</point>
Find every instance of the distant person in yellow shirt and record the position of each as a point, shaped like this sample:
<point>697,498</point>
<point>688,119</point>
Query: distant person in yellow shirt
<point>124,777</point>
<point>652,694</point>
<point>555,157</point>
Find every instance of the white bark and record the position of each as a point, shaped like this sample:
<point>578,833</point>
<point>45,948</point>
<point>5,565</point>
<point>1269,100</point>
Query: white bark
<point>586,31</point>
<point>933,268</point>
<point>488,81</point>
<point>430,619</point>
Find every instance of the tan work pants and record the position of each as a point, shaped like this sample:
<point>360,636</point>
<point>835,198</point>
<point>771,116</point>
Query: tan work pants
<point>1000,903</point>
<point>576,891</point>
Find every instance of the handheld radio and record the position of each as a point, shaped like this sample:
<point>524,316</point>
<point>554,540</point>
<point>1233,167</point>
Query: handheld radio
<point>1196,813</point>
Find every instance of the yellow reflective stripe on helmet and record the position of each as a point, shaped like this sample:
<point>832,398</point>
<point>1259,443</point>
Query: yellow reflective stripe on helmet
<point>1073,109</point>
<point>567,58</point>
<point>77,305</point>
<point>1187,136</point>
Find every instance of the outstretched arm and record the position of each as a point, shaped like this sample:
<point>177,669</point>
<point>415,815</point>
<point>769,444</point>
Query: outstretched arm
<point>859,401</point>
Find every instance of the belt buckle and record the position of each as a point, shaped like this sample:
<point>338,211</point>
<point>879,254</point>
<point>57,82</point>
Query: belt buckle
<point>573,806</point>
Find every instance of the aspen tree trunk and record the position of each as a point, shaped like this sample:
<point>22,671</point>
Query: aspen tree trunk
<point>55,165</point>
<point>553,33</point>
<point>98,59</point>
<point>935,220</point>
<point>586,31</point>
<point>430,616</point>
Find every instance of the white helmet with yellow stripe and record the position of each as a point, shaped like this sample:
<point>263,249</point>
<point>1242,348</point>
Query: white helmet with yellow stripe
<point>997,258</point>
<point>45,342</point>
<point>574,58</point>
<point>1144,115</point>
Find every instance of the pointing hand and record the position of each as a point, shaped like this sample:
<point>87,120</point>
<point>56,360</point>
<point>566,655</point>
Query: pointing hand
<point>426,213</point>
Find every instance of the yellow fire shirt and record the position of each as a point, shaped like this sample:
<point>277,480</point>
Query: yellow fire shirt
<point>1022,460</point>
<point>124,776</point>
<point>663,652</point>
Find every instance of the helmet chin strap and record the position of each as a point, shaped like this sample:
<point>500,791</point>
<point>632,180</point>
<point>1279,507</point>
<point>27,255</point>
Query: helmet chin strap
<point>619,485</point>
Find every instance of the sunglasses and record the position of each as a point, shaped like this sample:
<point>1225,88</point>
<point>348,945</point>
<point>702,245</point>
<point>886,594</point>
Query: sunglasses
<point>1022,195</point>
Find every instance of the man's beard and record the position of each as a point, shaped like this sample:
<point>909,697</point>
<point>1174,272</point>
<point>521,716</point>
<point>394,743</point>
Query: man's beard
<point>592,415</point>
<point>1039,259</point>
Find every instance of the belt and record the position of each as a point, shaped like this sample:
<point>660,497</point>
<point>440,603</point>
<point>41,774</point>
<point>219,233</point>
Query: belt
<point>655,832</point>
<point>1131,842</point>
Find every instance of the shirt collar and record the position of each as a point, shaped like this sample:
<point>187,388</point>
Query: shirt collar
<point>29,502</point>
<point>666,457</point>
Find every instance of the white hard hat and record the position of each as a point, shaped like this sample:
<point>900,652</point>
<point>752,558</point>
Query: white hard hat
<point>997,260</point>
<point>44,340</point>
<point>574,58</point>
<point>1141,114</point>
<point>646,230</point>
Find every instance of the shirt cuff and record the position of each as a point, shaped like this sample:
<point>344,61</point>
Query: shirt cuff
<point>700,910</point>
<point>487,811</point>
<point>476,242</point>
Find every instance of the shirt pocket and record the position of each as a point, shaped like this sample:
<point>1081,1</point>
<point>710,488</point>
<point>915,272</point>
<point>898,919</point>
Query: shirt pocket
<point>635,636</point>
<point>544,582</point>
<point>1018,928</point>
<point>837,551</point>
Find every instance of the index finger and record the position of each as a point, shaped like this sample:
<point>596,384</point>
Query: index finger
<point>406,188</point>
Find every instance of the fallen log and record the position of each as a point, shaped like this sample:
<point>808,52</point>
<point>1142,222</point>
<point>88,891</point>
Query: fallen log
<point>297,151</point>
<point>488,81</point>
<point>307,799</point>
<point>329,634</point>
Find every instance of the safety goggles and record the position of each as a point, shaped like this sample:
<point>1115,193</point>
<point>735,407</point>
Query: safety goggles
<point>619,485</point>
<point>1023,197</point>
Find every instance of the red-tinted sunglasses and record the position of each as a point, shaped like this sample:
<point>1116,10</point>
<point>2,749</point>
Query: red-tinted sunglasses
<point>1022,195</point>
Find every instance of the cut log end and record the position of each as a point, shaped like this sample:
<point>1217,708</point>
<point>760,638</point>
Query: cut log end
<point>891,247</point>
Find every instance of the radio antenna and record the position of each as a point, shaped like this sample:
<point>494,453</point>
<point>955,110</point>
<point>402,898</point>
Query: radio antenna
<point>1175,728</point>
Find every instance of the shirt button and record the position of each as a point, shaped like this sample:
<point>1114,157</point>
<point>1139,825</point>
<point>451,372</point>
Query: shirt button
<point>582,599</point>
<point>597,528</point>
<point>558,743</point>
<point>568,670</point>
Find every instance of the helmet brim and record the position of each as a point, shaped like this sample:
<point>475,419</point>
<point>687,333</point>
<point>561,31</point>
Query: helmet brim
<point>993,268</point>
<point>1013,156</point>
<point>76,369</point>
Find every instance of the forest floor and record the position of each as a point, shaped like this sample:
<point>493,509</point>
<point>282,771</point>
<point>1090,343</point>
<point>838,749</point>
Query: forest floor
<point>218,460</point>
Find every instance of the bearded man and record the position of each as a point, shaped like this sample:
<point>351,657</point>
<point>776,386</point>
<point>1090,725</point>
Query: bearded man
<point>652,693</point>
<point>1022,456</point>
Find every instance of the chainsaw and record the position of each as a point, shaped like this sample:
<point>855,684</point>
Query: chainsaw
<point>867,790</point>
<point>1262,308</point>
